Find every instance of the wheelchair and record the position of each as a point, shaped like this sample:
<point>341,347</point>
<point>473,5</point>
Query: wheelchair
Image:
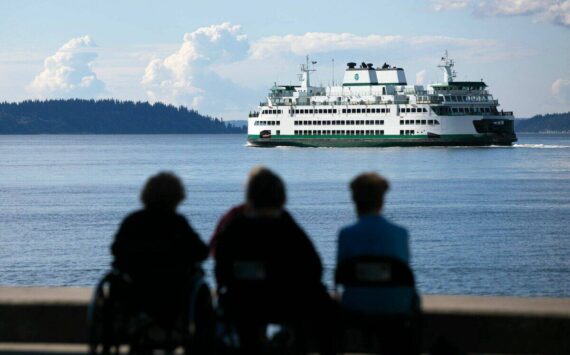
<point>248,307</point>
<point>123,313</point>
<point>380,308</point>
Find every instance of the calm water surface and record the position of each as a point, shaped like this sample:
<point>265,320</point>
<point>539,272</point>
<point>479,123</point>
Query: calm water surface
<point>482,220</point>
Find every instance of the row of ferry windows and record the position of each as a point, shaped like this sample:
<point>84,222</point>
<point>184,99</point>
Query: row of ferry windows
<point>344,110</point>
<point>368,132</point>
<point>413,109</point>
<point>272,112</point>
<point>311,111</point>
<point>407,132</point>
<point>431,122</point>
<point>267,123</point>
<point>470,109</point>
<point>466,98</point>
<point>340,123</point>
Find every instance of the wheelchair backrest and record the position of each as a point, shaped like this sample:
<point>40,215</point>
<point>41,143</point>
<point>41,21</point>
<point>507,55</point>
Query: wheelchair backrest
<point>374,271</point>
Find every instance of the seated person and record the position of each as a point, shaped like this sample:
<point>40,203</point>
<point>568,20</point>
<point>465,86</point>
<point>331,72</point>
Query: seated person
<point>292,291</point>
<point>159,250</point>
<point>374,235</point>
<point>232,213</point>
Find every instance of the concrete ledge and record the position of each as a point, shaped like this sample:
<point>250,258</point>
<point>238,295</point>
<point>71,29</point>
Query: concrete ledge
<point>471,324</point>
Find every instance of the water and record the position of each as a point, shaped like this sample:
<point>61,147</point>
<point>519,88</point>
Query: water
<point>490,220</point>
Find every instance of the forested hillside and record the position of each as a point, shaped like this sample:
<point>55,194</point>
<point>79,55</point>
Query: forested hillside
<point>554,122</point>
<point>77,116</point>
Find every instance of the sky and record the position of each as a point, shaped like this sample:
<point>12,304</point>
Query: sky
<point>221,57</point>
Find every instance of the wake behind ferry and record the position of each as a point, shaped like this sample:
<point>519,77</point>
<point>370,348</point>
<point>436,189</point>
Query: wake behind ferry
<point>375,107</point>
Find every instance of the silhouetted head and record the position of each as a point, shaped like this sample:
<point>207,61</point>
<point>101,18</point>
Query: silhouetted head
<point>368,191</point>
<point>265,190</point>
<point>163,191</point>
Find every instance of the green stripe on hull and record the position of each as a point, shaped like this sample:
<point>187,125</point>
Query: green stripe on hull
<point>379,141</point>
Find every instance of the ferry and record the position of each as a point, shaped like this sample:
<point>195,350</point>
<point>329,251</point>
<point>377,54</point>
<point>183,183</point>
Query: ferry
<point>375,107</point>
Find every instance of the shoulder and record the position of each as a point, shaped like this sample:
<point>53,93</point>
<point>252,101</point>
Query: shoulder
<point>135,216</point>
<point>394,228</point>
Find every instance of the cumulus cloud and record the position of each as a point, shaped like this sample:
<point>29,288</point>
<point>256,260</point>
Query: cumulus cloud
<point>561,90</point>
<point>421,77</point>
<point>552,11</point>
<point>186,77</point>
<point>68,73</point>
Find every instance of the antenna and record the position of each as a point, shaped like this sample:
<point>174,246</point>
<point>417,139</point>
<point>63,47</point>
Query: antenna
<point>333,71</point>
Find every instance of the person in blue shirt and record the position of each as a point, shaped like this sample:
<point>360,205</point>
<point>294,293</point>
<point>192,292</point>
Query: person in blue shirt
<point>374,235</point>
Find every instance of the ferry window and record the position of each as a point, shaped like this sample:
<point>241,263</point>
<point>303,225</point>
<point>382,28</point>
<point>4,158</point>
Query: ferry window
<point>334,110</point>
<point>383,110</point>
<point>320,110</point>
<point>343,122</point>
<point>330,110</point>
<point>381,122</point>
<point>412,132</point>
<point>357,122</point>
<point>376,132</point>
<point>377,122</point>
<point>309,123</point>
<point>278,132</point>
<point>413,110</point>
<point>367,122</point>
<point>454,98</point>
<point>367,110</point>
<point>406,122</point>
<point>278,123</point>
<point>436,121</point>
<point>430,121</point>
<point>454,109</point>
<point>401,121</point>
<point>381,132</point>
<point>423,121</point>
<point>388,110</point>
<point>359,110</point>
<point>401,133</point>
<point>425,109</point>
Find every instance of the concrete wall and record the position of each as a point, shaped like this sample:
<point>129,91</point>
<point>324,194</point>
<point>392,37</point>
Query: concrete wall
<point>470,324</point>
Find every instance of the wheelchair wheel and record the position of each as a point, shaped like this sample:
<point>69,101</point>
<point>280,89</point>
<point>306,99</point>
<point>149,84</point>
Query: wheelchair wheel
<point>102,315</point>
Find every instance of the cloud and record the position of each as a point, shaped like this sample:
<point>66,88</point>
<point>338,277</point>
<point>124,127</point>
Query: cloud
<point>552,11</point>
<point>68,73</point>
<point>421,77</point>
<point>324,42</point>
<point>186,77</point>
<point>317,42</point>
<point>561,90</point>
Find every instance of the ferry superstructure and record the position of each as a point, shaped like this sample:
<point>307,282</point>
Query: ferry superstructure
<point>376,107</point>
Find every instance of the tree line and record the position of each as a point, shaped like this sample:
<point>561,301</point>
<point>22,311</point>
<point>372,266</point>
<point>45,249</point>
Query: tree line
<point>553,122</point>
<point>108,116</point>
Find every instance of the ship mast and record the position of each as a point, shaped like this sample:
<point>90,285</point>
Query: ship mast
<point>305,77</point>
<point>447,66</point>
